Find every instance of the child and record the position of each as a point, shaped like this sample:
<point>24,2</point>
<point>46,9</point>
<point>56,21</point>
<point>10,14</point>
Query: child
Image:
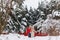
<point>32,32</point>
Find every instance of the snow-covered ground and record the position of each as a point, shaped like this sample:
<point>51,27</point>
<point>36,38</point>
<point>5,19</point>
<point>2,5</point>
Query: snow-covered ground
<point>15,36</point>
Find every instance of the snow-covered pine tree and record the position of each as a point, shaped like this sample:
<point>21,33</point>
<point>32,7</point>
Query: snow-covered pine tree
<point>13,24</point>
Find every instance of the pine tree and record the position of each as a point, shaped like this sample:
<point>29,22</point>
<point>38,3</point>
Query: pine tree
<point>12,23</point>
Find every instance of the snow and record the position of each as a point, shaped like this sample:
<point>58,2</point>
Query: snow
<point>56,13</point>
<point>50,22</point>
<point>34,3</point>
<point>14,36</point>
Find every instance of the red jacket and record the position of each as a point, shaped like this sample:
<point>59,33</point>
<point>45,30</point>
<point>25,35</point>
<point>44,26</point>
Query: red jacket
<point>28,30</point>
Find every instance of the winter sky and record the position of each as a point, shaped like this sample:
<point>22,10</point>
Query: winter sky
<point>33,3</point>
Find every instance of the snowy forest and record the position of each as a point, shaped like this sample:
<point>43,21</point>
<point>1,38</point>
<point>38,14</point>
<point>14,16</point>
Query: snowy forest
<point>14,17</point>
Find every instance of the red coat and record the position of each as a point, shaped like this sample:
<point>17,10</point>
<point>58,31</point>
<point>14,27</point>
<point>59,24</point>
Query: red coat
<point>28,30</point>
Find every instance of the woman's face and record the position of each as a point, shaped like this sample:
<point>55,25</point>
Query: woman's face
<point>30,26</point>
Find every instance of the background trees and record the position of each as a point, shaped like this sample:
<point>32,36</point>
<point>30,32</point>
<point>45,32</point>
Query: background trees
<point>6,8</point>
<point>15,18</point>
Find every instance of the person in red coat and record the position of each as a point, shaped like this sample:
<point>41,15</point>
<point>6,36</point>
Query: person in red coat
<point>28,30</point>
